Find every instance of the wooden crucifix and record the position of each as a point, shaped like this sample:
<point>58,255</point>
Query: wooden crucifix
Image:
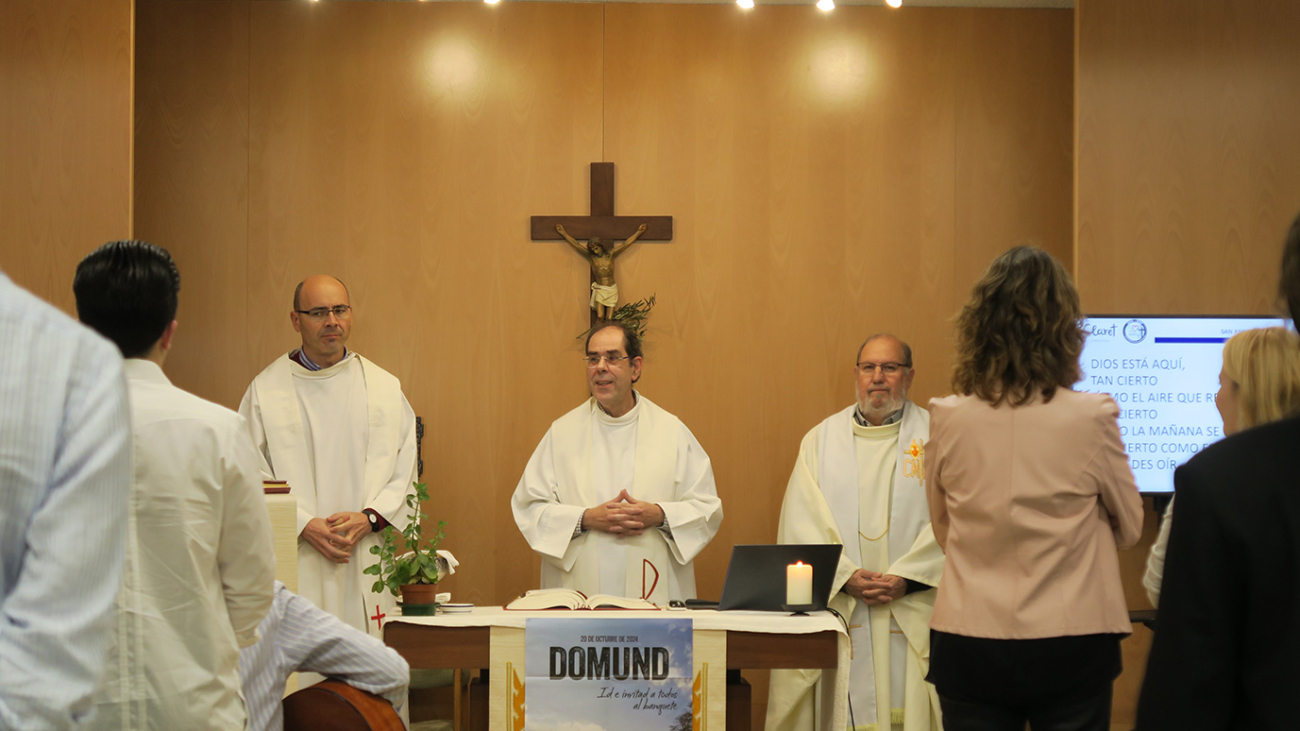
<point>607,236</point>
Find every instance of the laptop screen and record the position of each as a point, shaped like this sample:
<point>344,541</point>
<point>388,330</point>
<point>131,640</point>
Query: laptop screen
<point>756,575</point>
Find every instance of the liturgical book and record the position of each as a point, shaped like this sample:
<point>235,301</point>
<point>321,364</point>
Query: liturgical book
<point>570,599</point>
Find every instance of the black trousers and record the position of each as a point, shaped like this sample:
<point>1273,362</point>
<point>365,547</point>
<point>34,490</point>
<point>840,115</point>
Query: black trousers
<point>1080,714</point>
<point>1053,684</point>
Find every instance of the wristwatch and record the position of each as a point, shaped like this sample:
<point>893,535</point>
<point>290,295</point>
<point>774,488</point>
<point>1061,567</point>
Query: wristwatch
<point>374,520</point>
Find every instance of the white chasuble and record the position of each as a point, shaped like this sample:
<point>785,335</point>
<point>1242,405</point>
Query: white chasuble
<point>343,438</point>
<point>613,463</point>
<point>843,485</point>
<point>583,460</point>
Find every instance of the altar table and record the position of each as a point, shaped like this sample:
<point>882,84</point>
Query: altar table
<point>754,640</point>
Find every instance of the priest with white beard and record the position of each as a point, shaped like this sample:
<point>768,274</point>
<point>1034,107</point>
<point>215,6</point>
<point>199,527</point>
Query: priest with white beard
<point>619,496</point>
<point>338,429</point>
<point>860,476</point>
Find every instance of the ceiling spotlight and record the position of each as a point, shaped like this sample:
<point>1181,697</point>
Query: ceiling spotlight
<point>894,3</point>
<point>491,2</point>
<point>825,5</point>
<point>746,4</point>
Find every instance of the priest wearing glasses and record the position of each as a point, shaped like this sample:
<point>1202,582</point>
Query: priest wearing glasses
<point>619,496</point>
<point>859,482</point>
<point>338,429</point>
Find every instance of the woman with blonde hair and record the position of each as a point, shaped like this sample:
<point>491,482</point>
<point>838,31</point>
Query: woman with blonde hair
<point>1259,383</point>
<point>1223,657</point>
<point>1031,497</point>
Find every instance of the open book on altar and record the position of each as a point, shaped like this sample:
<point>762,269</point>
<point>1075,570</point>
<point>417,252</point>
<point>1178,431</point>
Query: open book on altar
<point>571,599</point>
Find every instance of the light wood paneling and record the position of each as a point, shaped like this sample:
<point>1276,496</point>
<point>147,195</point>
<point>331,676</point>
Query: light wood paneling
<point>1014,137</point>
<point>65,137</point>
<point>402,147</point>
<point>830,176</point>
<point>814,170</point>
<point>1135,647</point>
<point>1185,152</point>
<point>191,172</point>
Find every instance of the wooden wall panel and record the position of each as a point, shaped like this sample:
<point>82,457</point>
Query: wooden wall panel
<point>1135,647</point>
<point>1015,137</point>
<point>402,147</point>
<point>65,137</point>
<point>813,169</point>
<point>1185,152</point>
<point>829,175</point>
<point>191,172</point>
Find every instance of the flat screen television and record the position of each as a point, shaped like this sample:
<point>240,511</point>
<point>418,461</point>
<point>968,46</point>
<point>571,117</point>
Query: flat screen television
<point>1163,371</point>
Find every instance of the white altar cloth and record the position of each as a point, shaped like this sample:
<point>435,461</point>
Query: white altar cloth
<point>834,710</point>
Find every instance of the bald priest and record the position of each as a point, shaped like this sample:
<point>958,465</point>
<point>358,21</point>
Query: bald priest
<point>337,428</point>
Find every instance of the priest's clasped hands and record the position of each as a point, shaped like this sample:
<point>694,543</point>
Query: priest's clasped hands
<point>875,588</point>
<point>333,537</point>
<point>623,516</point>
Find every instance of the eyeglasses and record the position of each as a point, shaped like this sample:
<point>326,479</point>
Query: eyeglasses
<point>593,361</point>
<point>888,369</point>
<point>320,313</point>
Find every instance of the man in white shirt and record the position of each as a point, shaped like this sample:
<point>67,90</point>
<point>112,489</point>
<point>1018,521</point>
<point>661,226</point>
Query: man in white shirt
<point>859,482</point>
<point>619,497</point>
<point>337,428</point>
<point>65,474</point>
<point>298,636</point>
<point>199,564</point>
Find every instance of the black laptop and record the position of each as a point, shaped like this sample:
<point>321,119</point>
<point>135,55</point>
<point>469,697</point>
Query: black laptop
<point>756,575</point>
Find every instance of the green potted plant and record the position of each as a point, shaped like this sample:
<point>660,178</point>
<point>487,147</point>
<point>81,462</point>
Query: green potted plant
<point>414,574</point>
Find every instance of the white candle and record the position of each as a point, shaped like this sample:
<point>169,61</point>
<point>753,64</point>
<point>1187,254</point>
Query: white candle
<point>798,584</point>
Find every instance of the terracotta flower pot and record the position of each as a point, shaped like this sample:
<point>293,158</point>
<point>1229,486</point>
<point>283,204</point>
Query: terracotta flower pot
<point>419,599</point>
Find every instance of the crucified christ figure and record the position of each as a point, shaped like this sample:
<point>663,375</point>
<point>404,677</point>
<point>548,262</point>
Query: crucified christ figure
<point>604,292</point>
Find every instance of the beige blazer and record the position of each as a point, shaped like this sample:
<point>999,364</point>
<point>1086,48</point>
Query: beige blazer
<point>1030,504</point>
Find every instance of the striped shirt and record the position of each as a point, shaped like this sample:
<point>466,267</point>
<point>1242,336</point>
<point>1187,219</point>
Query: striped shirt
<point>300,636</point>
<point>299,357</point>
<point>65,477</point>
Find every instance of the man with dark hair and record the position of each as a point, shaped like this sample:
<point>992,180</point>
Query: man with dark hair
<point>338,429</point>
<point>859,481</point>
<point>619,496</point>
<point>199,566</point>
<point>128,292</point>
<point>1226,652</point>
<point>65,478</point>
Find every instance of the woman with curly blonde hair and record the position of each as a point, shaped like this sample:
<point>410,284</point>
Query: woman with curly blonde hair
<point>1259,383</point>
<point>1031,497</point>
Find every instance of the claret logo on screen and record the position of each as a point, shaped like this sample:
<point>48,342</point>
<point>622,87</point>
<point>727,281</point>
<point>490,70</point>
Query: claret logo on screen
<point>1102,331</point>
